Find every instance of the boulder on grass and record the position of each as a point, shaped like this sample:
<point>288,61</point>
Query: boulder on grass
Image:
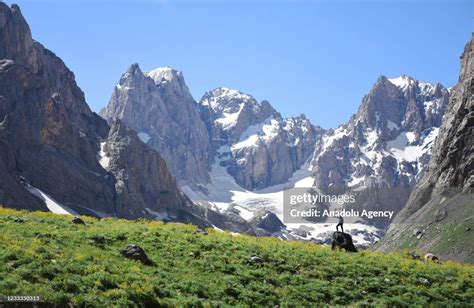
<point>135,252</point>
<point>255,259</point>
<point>343,240</point>
<point>78,221</point>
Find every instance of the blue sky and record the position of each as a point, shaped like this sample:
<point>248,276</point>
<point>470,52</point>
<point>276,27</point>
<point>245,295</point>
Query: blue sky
<point>313,57</point>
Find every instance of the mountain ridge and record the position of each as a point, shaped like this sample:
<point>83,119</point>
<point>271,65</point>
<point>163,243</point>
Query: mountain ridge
<point>257,149</point>
<point>225,114</point>
<point>439,211</point>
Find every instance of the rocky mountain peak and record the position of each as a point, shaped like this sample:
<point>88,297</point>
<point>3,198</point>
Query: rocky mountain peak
<point>403,81</point>
<point>402,103</point>
<point>386,145</point>
<point>443,197</point>
<point>170,83</point>
<point>165,74</point>
<point>228,100</point>
<point>234,111</point>
<point>133,70</point>
<point>131,75</point>
<point>160,108</point>
<point>15,35</point>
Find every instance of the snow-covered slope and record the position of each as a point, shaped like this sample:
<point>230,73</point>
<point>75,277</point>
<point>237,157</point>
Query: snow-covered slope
<point>264,148</point>
<point>53,205</point>
<point>223,194</point>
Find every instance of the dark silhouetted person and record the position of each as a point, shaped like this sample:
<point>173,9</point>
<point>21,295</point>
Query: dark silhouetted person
<point>340,224</point>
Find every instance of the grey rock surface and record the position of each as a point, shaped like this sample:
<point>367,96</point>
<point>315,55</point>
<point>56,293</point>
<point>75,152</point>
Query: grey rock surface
<point>48,131</point>
<point>384,149</point>
<point>135,252</point>
<point>159,107</point>
<point>443,200</point>
<point>262,148</point>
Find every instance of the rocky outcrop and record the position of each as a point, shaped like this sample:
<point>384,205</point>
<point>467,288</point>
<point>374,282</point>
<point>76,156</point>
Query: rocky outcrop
<point>54,145</point>
<point>267,221</point>
<point>272,155</point>
<point>262,223</point>
<point>12,192</point>
<point>135,252</point>
<point>158,105</point>
<point>441,204</point>
<point>383,151</point>
<point>148,183</point>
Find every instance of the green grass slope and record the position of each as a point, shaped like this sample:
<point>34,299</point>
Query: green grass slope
<point>49,256</point>
<point>450,238</point>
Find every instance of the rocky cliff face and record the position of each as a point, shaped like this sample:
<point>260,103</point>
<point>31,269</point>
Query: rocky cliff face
<point>231,112</point>
<point>54,146</point>
<point>141,177</point>
<point>262,148</point>
<point>48,128</point>
<point>158,105</point>
<point>440,215</point>
<point>384,149</point>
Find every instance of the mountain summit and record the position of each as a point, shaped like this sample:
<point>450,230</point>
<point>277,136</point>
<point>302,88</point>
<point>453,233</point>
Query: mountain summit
<point>261,148</point>
<point>158,105</point>
<point>385,147</point>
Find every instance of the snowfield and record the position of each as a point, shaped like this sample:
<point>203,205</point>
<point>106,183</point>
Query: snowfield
<point>224,191</point>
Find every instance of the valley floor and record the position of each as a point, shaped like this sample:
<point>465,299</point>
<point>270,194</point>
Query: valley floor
<point>45,254</point>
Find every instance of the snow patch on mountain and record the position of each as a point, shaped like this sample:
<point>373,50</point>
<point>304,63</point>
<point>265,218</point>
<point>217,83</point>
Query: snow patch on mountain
<point>144,137</point>
<point>104,160</point>
<point>263,132</point>
<point>402,81</point>
<point>402,150</point>
<point>392,126</point>
<point>163,74</point>
<point>336,135</point>
<point>228,118</point>
<point>227,105</point>
<point>53,205</point>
